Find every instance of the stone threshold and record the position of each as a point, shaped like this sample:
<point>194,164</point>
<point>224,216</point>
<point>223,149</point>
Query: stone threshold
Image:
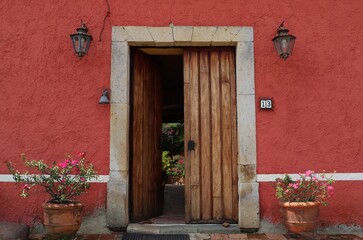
<point>182,228</point>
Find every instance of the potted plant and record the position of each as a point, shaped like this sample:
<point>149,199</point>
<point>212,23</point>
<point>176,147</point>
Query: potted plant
<point>63,181</point>
<point>300,199</point>
<point>174,167</point>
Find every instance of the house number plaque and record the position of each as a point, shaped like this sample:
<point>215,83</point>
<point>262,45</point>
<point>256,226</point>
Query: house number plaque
<point>266,104</point>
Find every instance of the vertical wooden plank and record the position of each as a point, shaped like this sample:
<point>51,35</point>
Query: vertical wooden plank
<point>187,137</point>
<point>226,135</point>
<point>216,136</point>
<point>205,137</point>
<point>194,134</point>
<point>145,140</point>
<point>157,142</point>
<point>152,112</point>
<point>159,121</point>
<point>232,74</point>
<point>137,137</point>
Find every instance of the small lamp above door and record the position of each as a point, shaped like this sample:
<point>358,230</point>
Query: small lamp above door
<point>284,42</point>
<point>81,40</point>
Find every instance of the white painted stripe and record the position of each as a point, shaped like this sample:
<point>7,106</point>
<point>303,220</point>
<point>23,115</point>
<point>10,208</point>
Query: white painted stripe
<point>335,176</point>
<point>9,178</point>
<point>260,177</point>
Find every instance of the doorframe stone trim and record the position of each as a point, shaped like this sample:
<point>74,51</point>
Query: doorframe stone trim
<point>181,36</point>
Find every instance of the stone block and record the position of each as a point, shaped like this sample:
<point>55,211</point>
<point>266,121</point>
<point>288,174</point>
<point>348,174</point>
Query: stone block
<point>182,35</point>
<point>247,173</point>
<point>120,72</point>
<point>246,123</point>
<point>245,73</point>
<point>143,228</point>
<point>218,228</point>
<point>140,35</point>
<point>244,35</point>
<point>13,231</point>
<point>117,203</point>
<point>120,34</point>
<point>178,229</point>
<point>116,176</point>
<point>248,215</point>
<point>202,36</point>
<point>163,36</point>
<point>224,36</point>
<point>119,137</point>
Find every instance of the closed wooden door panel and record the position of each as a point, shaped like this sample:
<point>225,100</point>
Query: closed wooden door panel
<point>146,138</point>
<point>210,121</point>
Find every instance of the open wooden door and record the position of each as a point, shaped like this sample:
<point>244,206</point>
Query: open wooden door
<point>146,171</point>
<point>210,125</point>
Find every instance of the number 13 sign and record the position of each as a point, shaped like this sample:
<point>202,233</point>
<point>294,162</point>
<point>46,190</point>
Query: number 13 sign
<point>266,104</point>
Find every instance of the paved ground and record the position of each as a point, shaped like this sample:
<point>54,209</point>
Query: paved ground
<point>118,236</point>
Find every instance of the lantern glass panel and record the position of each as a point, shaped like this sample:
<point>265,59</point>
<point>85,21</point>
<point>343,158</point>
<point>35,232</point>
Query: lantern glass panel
<point>75,42</point>
<point>277,43</point>
<point>291,42</point>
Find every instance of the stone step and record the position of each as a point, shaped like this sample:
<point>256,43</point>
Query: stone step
<point>182,228</point>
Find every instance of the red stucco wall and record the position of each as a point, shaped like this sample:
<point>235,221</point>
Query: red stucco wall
<point>49,98</point>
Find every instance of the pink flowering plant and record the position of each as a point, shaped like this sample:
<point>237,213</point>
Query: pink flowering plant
<point>62,180</point>
<point>308,188</point>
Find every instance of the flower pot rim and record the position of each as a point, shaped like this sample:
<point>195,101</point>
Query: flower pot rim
<point>299,204</point>
<point>53,205</point>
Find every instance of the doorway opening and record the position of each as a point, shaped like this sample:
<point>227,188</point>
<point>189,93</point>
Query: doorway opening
<point>158,122</point>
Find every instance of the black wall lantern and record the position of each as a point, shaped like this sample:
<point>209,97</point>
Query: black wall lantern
<point>81,40</point>
<point>284,42</point>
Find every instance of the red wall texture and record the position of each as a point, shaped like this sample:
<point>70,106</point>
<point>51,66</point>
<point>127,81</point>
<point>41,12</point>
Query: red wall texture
<point>49,97</point>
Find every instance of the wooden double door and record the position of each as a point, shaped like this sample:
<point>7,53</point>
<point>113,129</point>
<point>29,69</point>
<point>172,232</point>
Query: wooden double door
<point>210,136</point>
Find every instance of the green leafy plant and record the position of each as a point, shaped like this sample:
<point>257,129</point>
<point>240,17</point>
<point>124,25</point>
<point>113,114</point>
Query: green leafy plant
<point>62,181</point>
<point>173,166</point>
<point>306,189</point>
<point>173,138</point>
<point>166,162</point>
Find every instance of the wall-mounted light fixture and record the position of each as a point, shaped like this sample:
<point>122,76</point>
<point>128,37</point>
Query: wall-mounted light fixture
<point>81,40</point>
<point>105,97</point>
<point>284,42</point>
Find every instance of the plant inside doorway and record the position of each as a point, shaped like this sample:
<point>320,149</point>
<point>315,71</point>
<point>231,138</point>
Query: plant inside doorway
<point>173,149</point>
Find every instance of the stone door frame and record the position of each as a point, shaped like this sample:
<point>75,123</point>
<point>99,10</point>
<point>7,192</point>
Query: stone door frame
<point>181,36</point>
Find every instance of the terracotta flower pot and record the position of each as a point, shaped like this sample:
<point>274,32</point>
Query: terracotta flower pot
<point>300,216</point>
<point>62,219</point>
